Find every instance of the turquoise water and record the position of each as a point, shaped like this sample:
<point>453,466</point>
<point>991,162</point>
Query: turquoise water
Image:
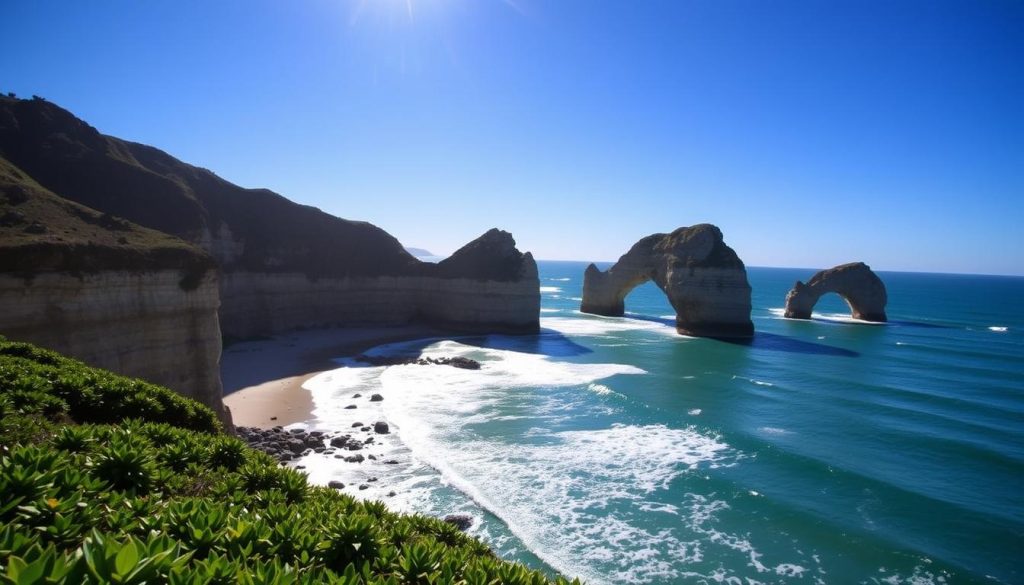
<point>825,451</point>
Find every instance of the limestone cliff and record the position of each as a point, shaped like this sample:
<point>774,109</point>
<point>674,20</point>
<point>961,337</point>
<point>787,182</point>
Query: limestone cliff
<point>283,265</point>
<point>504,297</point>
<point>140,324</point>
<point>106,291</point>
<point>703,278</point>
<point>855,282</point>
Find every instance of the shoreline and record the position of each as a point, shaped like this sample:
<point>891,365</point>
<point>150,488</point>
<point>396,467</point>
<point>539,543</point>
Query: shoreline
<point>263,378</point>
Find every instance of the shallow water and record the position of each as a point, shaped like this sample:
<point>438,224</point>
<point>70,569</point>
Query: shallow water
<point>616,450</point>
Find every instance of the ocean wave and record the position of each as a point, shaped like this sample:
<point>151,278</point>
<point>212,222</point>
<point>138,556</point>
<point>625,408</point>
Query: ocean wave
<point>753,381</point>
<point>550,289</point>
<point>563,279</point>
<point>999,329</point>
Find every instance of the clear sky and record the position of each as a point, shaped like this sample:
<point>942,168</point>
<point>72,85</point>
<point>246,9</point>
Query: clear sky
<point>812,132</point>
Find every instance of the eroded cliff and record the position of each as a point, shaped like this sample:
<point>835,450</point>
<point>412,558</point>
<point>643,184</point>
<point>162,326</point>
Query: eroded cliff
<point>111,293</point>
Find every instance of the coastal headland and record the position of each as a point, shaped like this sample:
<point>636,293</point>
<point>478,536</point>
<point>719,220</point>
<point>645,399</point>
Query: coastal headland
<point>129,259</point>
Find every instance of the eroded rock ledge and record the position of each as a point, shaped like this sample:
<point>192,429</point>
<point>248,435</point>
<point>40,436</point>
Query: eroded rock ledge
<point>855,282</point>
<point>703,278</point>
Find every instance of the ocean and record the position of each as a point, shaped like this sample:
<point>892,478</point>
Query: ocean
<point>615,450</point>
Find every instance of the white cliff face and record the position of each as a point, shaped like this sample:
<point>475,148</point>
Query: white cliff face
<point>136,324</point>
<point>260,303</point>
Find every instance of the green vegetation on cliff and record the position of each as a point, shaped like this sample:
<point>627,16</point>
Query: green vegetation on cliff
<point>40,231</point>
<point>112,480</point>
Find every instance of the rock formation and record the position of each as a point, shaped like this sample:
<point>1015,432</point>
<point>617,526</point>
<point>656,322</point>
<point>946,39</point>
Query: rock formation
<point>122,222</point>
<point>703,278</point>
<point>855,282</point>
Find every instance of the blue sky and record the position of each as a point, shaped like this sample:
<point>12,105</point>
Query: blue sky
<point>813,133</point>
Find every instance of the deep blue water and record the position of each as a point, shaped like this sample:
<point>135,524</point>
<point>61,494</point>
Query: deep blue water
<point>824,451</point>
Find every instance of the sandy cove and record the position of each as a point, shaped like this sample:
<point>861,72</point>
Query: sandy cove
<point>263,378</point>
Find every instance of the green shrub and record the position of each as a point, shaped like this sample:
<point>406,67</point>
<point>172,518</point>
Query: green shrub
<point>39,381</point>
<point>163,500</point>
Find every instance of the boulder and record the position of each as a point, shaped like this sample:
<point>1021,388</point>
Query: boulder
<point>381,427</point>
<point>855,282</point>
<point>460,521</point>
<point>703,278</point>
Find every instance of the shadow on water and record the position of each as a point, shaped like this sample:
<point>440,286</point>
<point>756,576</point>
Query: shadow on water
<point>548,342</point>
<point>919,325</point>
<point>663,320</point>
<point>775,342</point>
<point>767,341</point>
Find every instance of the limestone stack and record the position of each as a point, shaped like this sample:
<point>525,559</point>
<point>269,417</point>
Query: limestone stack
<point>855,282</point>
<point>703,278</point>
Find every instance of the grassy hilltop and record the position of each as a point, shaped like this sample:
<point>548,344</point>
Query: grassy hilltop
<point>107,479</point>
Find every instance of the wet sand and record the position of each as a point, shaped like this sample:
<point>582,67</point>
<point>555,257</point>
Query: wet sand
<point>263,378</point>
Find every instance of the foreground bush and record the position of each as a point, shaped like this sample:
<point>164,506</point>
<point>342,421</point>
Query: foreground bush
<point>152,502</point>
<point>46,382</point>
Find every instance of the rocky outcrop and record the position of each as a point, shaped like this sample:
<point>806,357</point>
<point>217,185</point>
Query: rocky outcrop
<point>702,277</point>
<point>139,324</point>
<point>855,282</point>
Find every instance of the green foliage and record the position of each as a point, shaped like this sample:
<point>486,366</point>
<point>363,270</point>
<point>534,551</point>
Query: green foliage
<point>152,502</point>
<point>42,382</point>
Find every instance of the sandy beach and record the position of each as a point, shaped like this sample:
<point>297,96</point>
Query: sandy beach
<point>263,378</point>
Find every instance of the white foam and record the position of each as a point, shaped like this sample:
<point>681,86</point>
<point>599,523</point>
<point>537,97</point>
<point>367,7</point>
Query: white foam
<point>780,313</point>
<point>551,310</point>
<point>789,570</point>
<point>566,279</point>
<point>597,325</point>
<point>550,289</point>
<point>775,431</point>
<point>572,497</point>
<point>694,411</point>
<point>998,329</point>
<point>753,381</point>
<point>576,299</point>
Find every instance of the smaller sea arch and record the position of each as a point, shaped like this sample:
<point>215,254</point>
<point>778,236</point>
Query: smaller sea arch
<point>855,282</point>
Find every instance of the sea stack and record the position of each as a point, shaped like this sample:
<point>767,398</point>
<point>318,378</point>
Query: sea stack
<point>855,282</point>
<point>703,278</point>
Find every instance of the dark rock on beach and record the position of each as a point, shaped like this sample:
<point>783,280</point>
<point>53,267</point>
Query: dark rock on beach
<point>457,362</point>
<point>460,521</point>
<point>381,427</point>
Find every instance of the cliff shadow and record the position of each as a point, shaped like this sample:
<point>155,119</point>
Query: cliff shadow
<point>548,342</point>
<point>775,342</point>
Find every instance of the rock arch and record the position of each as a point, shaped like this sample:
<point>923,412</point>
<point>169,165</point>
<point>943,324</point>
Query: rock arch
<point>855,282</point>
<point>702,277</point>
